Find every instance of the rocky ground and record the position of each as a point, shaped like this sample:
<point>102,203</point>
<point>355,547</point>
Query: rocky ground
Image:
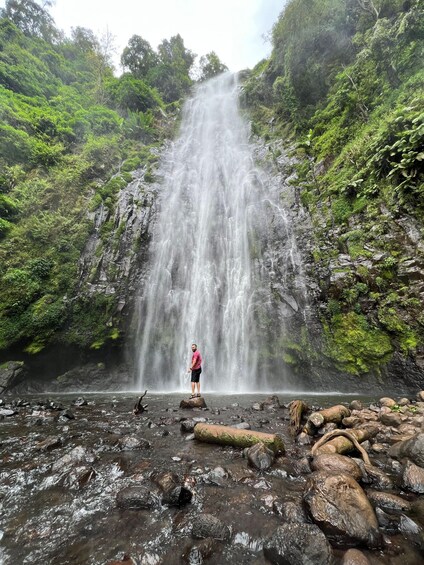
<point>85,481</point>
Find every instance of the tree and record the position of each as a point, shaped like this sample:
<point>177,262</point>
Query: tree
<point>174,53</point>
<point>138,57</point>
<point>84,39</point>
<point>210,66</point>
<point>31,18</point>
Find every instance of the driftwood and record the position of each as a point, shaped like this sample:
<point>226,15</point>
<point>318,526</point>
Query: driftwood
<point>342,433</point>
<point>296,410</point>
<point>138,407</point>
<point>226,435</point>
<point>316,420</point>
<point>340,441</point>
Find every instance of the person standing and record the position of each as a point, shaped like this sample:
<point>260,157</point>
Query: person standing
<point>196,369</point>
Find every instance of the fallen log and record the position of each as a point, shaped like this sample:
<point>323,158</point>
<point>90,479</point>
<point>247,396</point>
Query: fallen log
<point>346,434</point>
<point>226,435</point>
<point>334,414</point>
<point>296,410</point>
<point>343,444</point>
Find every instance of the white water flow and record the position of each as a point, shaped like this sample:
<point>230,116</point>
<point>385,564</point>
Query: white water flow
<point>203,280</point>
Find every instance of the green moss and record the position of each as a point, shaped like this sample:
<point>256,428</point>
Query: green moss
<point>355,346</point>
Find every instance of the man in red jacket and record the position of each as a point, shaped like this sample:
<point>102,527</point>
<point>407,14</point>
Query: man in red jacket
<point>196,369</point>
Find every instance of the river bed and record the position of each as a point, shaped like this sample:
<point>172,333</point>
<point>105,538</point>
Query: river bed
<point>65,512</point>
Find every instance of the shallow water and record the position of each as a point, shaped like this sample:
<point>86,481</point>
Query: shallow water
<point>70,516</point>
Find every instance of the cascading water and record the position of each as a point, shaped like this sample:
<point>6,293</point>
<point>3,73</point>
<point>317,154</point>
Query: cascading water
<point>210,275</point>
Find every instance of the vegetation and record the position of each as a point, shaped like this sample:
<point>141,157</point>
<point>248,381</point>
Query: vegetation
<point>344,84</point>
<point>70,134</point>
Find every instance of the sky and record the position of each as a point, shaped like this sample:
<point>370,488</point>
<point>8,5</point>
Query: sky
<point>234,29</point>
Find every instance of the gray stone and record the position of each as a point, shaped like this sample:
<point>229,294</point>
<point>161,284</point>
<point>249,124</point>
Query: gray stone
<point>413,449</point>
<point>51,442</point>
<point>413,478</point>
<point>11,373</point>
<point>128,443</point>
<point>187,426</point>
<point>298,544</point>
<point>387,501</point>
<point>137,497</point>
<point>260,457</point>
<point>208,526</point>
<point>391,419</point>
<point>354,557</point>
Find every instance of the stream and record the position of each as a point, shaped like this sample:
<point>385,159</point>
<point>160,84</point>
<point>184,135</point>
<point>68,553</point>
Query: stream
<point>58,503</point>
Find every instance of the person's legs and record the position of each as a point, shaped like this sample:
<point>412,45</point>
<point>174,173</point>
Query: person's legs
<point>198,388</point>
<point>193,385</point>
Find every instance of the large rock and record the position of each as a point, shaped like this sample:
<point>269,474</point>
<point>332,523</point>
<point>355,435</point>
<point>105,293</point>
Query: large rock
<point>198,402</point>
<point>413,478</point>
<point>10,374</point>
<point>391,419</point>
<point>334,463</point>
<point>298,544</point>
<point>260,457</point>
<point>412,448</point>
<point>208,526</point>
<point>139,497</point>
<point>340,507</point>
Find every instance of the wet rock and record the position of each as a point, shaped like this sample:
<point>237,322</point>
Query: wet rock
<point>78,477</point>
<point>208,526</point>
<point>75,457</point>
<point>304,439</point>
<point>198,402</point>
<point>412,531</point>
<point>356,405</point>
<point>187,426</point>
<point>10,374</point>
<point>334,463</point>
<point>354,557</point>
<point>420,396</point>
<point>128,443</point>
<point>413,478</point>
<point>340,507</point>
<point>189,437</point>
<point>329,427</point>
<point>260,457</point>
<point>391,419</point>
<point>173,492</point>
<point>217,476</point>
<point>68,414</point>
<point>7,412</point>
<point>195,554</point>
<point>376,477</point>
<point>298,544</point>
<point>292,512</point>
<point>390,522</point>
<point>258,406</point>
<point>242,426</point>
<point>387,501</point>
<point>139,497</point>
<point>271,402</point>
<point>389,402</point>
<point>80,401</point>
<point>403,402</point>
<point>51,442</point>
<point>413,449</point>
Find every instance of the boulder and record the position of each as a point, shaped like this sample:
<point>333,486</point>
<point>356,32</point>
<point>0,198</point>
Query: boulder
<point>260,457</point>
<point>208,526</point>
<point>420,396</point>
<point>356,405</point>
<point>412,531</point>
<point>334,463</point>
<point>412,448</point>
<point>198,402</point>
<point>10,374</point>
<point>340,507</point>
<point>135,498</point>
<point>391,419</point>
<point>389,402</point>
<point>354,557</point>
<point>298,544</point>
<point>413,478</point>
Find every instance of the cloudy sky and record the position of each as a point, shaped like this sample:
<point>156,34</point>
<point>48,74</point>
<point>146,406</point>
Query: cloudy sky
<point>232,28</point>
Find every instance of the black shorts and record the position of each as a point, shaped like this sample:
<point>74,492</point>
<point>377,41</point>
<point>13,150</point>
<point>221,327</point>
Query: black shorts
<point>195,375</point>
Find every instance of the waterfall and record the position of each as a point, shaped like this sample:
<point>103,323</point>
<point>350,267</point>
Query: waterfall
<point>210,274</point>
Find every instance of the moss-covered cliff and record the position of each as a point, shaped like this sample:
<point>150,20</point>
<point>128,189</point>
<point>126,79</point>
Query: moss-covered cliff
<point>344,86</point>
